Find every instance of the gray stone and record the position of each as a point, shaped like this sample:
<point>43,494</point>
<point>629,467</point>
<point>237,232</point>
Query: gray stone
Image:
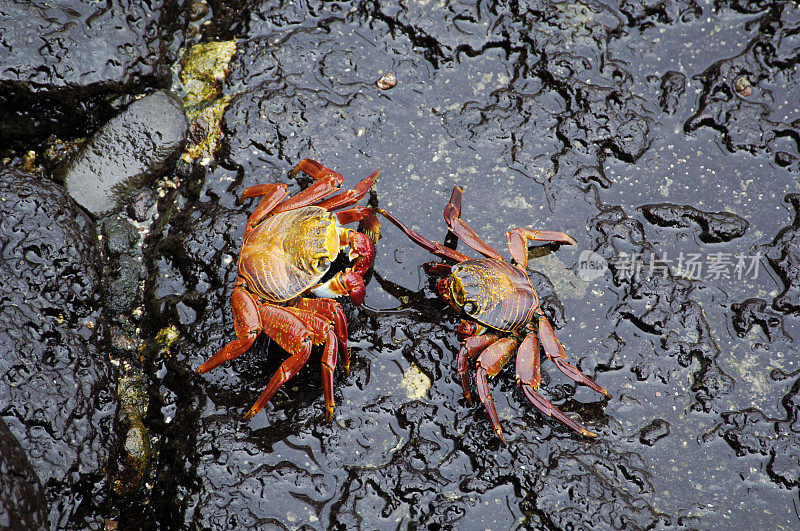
<point>131,150</point>
<point>22,504</point>
<point>57,55</point>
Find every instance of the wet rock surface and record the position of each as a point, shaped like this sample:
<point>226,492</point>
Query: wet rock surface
<point>131,150</point>
<point>783,254</point>
<point>662,135</point>
<point>714,227</point>
<point>54,381</point>
<point>22,504</point>
<point>60,57</point>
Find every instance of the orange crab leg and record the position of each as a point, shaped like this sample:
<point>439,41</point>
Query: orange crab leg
<point>368,221</point>
<point>471,347</point>
<point>345,283</point>
<point>529,369</point>
<point>257,190</point>
<point>292,336</point>
<point>311,195</point>
<point>246,323</point>
<point>518,242</point>
<point>489,363</point>
<point>332,311</point>
<point>437,268</point>
<point>351,281</point>
<point>349,197</point>
<point>329,356</point>
<point>322,333</point>
<point>555,351</point>
<point>356,213</point>
<point>272,195</point>
<point>315,170</point>
<point>529,377</point>
<point>432,247</point>
<point>465,233</point>
<point>326,181</point>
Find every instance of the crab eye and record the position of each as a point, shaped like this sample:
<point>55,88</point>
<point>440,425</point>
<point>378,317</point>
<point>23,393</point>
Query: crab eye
<point>323,265</point>
<point>470,307</point>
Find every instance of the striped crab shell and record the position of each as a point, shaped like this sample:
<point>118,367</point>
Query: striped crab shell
<point>289,252</point>
<point>494,293</point>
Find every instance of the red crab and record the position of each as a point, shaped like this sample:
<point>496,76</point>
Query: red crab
<point>288,247</point>
<point>500,310</point>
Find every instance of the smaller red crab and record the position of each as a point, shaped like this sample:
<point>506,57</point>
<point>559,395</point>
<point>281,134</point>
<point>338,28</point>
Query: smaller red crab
<point>500,310</point>
<point>288,248</point>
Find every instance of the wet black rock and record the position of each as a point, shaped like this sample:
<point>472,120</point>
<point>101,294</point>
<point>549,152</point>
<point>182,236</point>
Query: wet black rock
<point>133,148</point>
<point>22,504</point>
<point>783,255</point>
<point>626,131</point>
<point>774,440</point>
<point>124,269</point>
<point>58,55</point>
<point>644,13</point>
<point>756,312</point>
<point>673,85</point>
<point>660,303</point>
<point>715,227</point>
<point>658,429</point>
<point>54,381</point>
<point>748,97</point>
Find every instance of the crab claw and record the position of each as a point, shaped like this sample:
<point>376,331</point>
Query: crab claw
<point>362,251</point>
<point>346,283</point>
<point>354,286</point>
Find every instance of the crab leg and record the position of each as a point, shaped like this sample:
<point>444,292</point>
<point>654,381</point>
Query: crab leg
<point>465,233</point>
<point>322,333</point>
<point>312,194</point>
<point>246,323</point>
<point>351,281</point>
<point>349,197</point>
<point>555,351</point>
<point>328,365</point>
<point>529,377</point>
<point>368,221</point>
<point>489,363</point>
<point>471,347</point>
<point>314,169</point>
<point>437,268</point>
<point>362,250</point>
<point>332,311</point>
<point>272,195</point>
<point>432,247</point>
<point>293,337</point>
<point>326,181</point>
<point>356,213</point>
<point>342,284</point>
<point>517,242</point>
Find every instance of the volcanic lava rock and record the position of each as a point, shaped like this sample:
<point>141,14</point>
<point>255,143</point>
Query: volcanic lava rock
<point>57,55</point>
<point>736,95</point>
<point>135,147</point>
<point>714,226</point>
<point>22,504</point>
<point>673,85</point>
<point>54,383</point>
<point>783,255</point>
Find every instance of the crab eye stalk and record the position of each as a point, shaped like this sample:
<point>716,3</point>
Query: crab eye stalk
<point>323,264</point>
<point>470,307</point>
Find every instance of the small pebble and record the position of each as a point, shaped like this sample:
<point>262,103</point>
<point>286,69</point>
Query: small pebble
<point>743,87</point>
<point>387,81</point>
